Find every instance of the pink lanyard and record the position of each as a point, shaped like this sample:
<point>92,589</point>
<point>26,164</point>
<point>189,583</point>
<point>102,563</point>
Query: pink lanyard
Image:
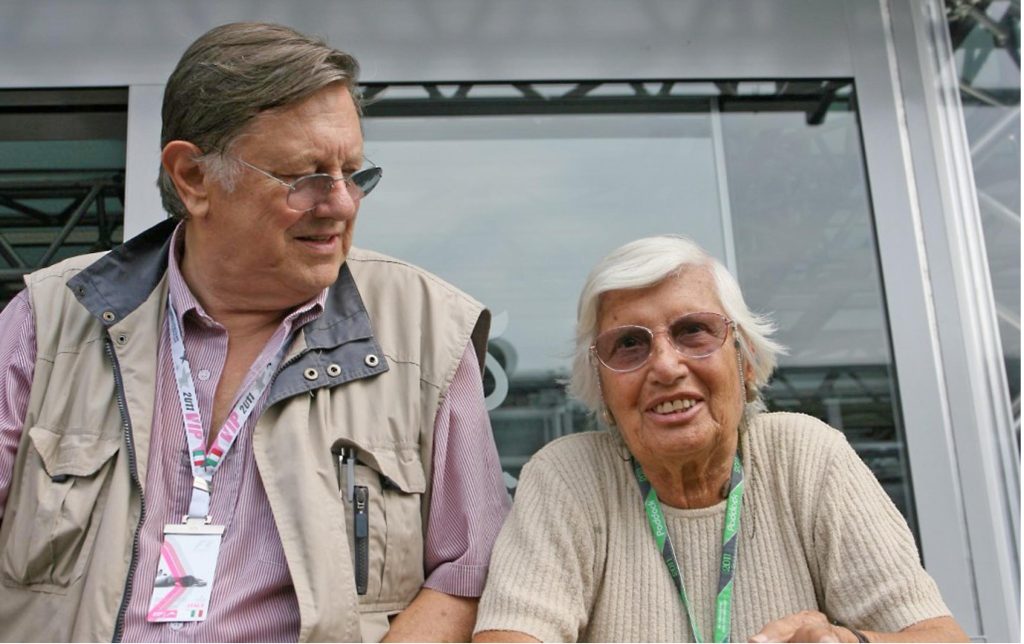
<point>205,462</point>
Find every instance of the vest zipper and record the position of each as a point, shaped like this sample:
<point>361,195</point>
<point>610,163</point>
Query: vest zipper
<point>361,531</point>
<point>281,367</point>
<point>126,424</point>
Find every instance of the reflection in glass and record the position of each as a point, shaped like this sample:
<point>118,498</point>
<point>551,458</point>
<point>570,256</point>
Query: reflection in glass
<point>806,252</point>
<point>767,176</point>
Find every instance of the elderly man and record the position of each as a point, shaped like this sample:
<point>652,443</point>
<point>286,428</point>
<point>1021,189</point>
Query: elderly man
<point>236,427</point>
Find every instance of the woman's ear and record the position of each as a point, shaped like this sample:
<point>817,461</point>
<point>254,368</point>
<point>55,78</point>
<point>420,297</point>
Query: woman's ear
<point>747,366</point>
<point>180,162</point>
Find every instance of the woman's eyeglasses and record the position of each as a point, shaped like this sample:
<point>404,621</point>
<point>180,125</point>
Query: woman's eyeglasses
<point>694,335</point>
<point>308,192</point>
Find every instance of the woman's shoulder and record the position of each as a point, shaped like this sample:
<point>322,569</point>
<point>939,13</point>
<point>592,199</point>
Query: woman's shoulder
<point>790,459</point>
<point>586,459</point>
<point>791,444</point>
<point>775,430</point>
<point>588,468</point>
<point>590,446</point>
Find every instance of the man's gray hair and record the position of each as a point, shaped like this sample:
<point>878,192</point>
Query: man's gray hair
<point>228,76</point>
<point>646,262</point>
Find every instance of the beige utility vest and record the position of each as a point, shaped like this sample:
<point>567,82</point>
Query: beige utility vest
<point>77,496</point>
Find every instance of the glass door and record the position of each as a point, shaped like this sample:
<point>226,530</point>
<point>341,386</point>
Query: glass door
<point>514,191</point>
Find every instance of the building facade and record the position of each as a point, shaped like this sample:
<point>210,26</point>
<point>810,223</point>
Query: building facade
<point>856,163</point>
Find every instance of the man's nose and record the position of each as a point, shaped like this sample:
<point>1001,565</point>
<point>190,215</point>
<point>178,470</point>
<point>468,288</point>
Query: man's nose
<point>340,204</point>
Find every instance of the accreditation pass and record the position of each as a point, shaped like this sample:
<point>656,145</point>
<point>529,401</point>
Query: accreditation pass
<point>184,577</point>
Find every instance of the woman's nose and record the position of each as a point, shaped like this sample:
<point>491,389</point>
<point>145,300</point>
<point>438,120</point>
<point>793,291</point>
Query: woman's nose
<point>666,363</point>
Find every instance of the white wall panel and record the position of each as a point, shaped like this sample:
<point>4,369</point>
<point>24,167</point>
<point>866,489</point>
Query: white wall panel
<point>128,42</point>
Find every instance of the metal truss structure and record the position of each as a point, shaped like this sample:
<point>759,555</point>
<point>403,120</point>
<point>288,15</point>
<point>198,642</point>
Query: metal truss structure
<point>55,215</point>
<point>814,97</point>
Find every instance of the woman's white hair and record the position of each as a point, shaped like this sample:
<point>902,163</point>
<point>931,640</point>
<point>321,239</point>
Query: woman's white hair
<point>643,263</point>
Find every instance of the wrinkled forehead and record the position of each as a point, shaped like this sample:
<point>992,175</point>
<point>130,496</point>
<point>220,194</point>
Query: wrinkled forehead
<point>689,289</point>
<point>326,118</point>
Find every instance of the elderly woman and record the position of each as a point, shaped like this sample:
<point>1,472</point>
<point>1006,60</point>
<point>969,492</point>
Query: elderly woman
<point>698,515</point>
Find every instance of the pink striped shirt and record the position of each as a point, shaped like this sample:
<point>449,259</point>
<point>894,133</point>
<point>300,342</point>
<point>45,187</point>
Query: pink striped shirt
<point>252,598</point>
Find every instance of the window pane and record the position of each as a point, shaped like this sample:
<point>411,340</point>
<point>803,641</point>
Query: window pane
<point>986,43</point>
<point>806,252</point>
<point>514,192</point>
<point>62,160</point>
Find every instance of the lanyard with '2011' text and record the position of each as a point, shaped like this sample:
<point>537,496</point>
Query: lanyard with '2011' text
<point>186,571</point>
<point>206,458</point>
<point>730,536</point>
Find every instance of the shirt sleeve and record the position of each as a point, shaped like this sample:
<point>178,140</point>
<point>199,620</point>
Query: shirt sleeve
<point>870,569</point>
<point>468,502</point>
<point>17,366</point>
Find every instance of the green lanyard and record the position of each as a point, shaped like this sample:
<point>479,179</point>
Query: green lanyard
<point>730,536</point>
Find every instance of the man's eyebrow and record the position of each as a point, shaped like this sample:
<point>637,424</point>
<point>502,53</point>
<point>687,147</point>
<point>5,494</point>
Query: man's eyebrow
<point>309,160</point>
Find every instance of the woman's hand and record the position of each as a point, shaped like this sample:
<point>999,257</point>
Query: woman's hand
<point>812,626</point>
<point>805,626</point>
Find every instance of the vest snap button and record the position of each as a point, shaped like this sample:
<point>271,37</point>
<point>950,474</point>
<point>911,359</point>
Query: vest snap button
<point>333,370</point>
<point>311,374</point>
<point>372,360</point>
<point>121,339</point>
<point>108,316</point>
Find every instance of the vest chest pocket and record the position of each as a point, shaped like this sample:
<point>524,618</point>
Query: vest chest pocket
<point>55,508</point>
<point>385,527</point>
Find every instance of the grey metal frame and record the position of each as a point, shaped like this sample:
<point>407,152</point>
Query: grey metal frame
<point>944,335</point>
<point>978,407</point>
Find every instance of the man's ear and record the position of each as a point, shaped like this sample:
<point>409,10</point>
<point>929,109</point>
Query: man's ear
<point>179,159</point>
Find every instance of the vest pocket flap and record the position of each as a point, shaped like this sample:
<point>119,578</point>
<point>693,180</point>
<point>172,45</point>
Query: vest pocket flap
<point>401,469</point>
<point>72,454</point>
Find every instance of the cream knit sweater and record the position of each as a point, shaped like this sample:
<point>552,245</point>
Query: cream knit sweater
<point>576,560</point>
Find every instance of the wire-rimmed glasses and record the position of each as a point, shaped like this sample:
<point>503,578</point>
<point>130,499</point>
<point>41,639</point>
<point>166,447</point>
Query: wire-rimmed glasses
<point>309,191</point>
<point>694,335</point>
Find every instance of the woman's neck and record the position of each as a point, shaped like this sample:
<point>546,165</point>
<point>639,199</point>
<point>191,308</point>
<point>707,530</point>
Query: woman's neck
<point>680,489</point>
<point>697,482</point>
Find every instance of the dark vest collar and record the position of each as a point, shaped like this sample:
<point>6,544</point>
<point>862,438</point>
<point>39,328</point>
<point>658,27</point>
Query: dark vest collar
<point>120,281</point>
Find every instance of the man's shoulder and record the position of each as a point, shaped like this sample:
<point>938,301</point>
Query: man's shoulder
<point>379,269</point>
<point>63,270</point>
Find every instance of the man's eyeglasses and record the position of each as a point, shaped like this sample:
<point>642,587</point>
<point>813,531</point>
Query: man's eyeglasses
<point>308,192</point>
<point>694,335</point>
